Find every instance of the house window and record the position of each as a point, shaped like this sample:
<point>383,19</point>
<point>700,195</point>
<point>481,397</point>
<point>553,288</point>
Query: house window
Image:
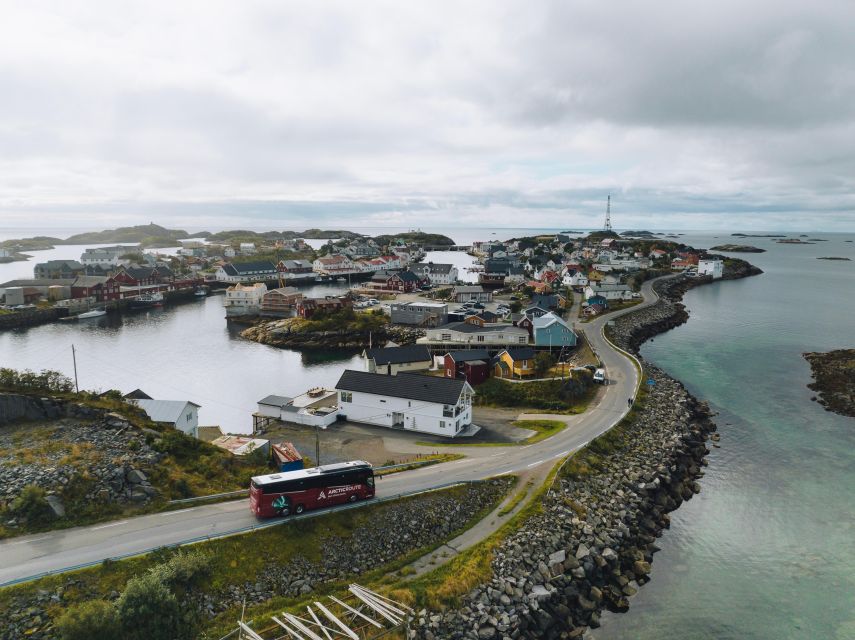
<point>442,424</point>
<point>346,396</point>
<point>445,336</point>
<point>522,339</point>
<point>480,338</point>
<point>447,411</point>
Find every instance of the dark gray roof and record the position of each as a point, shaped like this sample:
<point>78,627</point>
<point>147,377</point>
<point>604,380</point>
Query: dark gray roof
<point>521,353</point>
<point>240,268</point>
<point>399,355</point>
<point>467,355</point>
<point>275,401</point>
<point>414,387</point>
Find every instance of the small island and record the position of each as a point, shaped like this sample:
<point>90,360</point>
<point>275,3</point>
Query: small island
<point>834,379</point>
<point>793,241</point>
<point>755,235</point>
<point>834,258</point>
<point>738,248</point>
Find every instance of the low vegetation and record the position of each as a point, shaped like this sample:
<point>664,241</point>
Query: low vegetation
<point>570,395</point>
<point>542,429</point>
<point>344,320</point>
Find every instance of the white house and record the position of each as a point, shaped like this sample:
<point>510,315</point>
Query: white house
<point>471,293</point>
<point>609,291</point>
<point>334,264</point>
<point>181,414</point>
<point>5,253</point>
<point>578,279</point>
<point>427,404</point>
<point>244,299</point>
<point>247,248</point>
<point>714,268</point>
<point>439,274</point>
<point>256,271</point>
<point>105,256</point>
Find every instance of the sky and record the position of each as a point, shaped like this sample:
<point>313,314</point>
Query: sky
<point>692,114</point>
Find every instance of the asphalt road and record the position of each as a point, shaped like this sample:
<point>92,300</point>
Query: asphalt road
<point>30,556</point>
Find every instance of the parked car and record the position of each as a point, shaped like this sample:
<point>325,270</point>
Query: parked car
<point>478,305</point>
<point>600,376</point>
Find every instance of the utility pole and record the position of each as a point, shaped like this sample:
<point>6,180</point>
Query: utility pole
<point>317,446</point>
<point>74,359</point>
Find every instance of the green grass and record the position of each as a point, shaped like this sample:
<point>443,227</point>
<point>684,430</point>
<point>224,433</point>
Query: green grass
<point>555,396</point>
<point>238,559</point>
<point>519,497</point>
<point>543,429</point>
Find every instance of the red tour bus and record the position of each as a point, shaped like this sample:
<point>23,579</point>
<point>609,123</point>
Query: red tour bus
<point>280,494</point>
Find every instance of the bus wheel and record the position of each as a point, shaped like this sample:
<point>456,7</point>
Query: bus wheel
<point>353,498</point>
<point>299,509</point>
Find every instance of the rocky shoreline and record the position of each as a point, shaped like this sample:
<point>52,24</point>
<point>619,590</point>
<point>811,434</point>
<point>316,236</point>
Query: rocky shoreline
<point>278,333</point>
<point>592,546</point>
<point>834,380</point>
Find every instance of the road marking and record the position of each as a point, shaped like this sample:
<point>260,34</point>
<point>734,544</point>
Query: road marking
<point>496,455</point>
<point>112,524</point>
<point>27,541</point>
<point>461,461</point>
<point>534,464</point>
<point>172,513</point>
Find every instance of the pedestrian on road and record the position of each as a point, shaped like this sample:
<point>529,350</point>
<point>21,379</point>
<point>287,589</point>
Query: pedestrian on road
<point>629,402</point>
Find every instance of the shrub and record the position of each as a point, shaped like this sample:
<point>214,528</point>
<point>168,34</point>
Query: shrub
<point>183,569</point>
<point>32,504</point>
<point>93,620</point>
<point>150,611</point>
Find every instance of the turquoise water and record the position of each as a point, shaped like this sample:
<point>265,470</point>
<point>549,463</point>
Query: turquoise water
<point>767,550</point>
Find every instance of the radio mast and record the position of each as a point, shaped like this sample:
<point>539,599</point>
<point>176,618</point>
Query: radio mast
<point>608,225</point>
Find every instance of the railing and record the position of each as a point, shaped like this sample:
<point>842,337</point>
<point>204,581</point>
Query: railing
<point>226,534</point>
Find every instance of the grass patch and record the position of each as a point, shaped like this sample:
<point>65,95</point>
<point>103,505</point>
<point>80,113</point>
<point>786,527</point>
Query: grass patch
<point>519,497</point>
<point>543,429</point>
<point>557,396</point>
<point>422,461</point>
<point>239,559</point>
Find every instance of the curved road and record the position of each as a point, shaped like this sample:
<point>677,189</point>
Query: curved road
<point>29,556</point>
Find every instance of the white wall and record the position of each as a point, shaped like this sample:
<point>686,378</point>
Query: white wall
<point>188,421</point>
<point>425,417</point>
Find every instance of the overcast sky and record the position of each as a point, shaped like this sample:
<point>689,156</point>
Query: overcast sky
<point>692,114</point>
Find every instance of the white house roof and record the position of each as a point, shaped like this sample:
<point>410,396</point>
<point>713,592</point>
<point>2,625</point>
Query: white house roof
<point>164,410</point>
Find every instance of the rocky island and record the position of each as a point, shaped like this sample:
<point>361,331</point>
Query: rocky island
<point>834,379</point>
<point>738,248</point>
<point>834,258</point>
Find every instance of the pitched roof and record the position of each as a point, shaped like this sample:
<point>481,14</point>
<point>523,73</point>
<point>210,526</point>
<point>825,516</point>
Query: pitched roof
<point>547,320</point>
<point>521,353</point>
<point>249,267</point>
<point>469,289</point>
<point>164,410</point>
<point>469,355</point>
<point>89,281</point>
<point>137,394</point>
<point>411,387</point>
<point>398,355</point>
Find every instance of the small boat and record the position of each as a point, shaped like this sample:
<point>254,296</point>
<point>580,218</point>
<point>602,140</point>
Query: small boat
<point>201,292</point>
<point>146,300</point>
<point>95,313</point>
<point>341,279</point>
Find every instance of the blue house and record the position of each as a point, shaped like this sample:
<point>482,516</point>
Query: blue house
<point>552,331</point>
<point>600,300</point>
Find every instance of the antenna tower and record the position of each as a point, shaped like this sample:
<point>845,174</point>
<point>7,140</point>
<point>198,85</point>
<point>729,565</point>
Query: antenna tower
<point>608,225</point>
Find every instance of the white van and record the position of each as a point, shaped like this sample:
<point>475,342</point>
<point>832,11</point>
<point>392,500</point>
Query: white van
<point>600,376</point>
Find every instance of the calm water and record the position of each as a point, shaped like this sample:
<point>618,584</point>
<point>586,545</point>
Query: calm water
<point>767,550</point>
<point>184,351</point>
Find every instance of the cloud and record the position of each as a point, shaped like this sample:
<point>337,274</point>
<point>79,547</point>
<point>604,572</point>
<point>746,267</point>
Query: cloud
<point>689,113</point>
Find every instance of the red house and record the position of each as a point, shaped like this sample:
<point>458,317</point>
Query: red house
<point>473,365</point>
<point>307,307</point>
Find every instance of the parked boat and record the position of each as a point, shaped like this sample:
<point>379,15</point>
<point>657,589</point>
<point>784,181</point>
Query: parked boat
<point>95,313</point>
<point>201,292</point>
<point>146,300</point>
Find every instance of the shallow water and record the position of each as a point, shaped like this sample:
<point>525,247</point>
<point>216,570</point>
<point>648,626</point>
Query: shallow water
<point>767,550</point>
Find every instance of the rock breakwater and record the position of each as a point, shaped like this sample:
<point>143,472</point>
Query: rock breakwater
<point>282,333</point>
<point>592,546</point>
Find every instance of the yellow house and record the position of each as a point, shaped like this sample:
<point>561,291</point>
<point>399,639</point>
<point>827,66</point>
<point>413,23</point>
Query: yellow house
<point>514,363</point>
<point>595,276</point>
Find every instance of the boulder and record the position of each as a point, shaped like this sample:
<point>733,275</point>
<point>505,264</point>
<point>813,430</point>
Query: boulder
<point>55,503</point>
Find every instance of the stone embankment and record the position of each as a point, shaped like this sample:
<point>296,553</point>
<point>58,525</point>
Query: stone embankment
<point>592,546</point>
<point>390,531</point>
<point>279,333</point>
<point>77,454</point>
<point>30,317</point>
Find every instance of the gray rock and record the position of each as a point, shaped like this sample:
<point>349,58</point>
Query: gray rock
<point>55,503</point>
